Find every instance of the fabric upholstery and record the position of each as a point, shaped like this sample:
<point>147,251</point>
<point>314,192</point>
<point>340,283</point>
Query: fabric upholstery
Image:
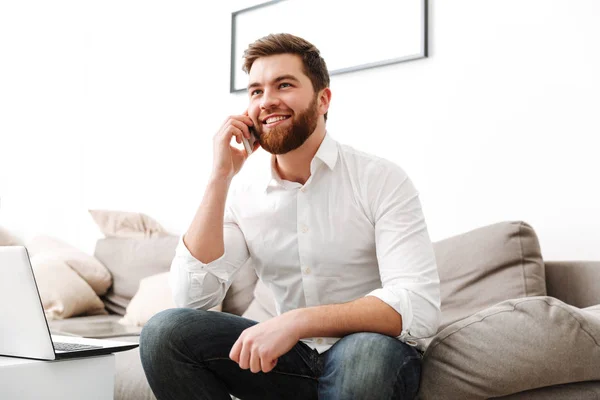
<point>88,267</point>
<point>129,260</point>
<point>574,282</point>
<point>487,265</point>
<point>153,296</point>
<point>7,238</point>
<point>127,224</point>
<point>63,292</point>
<point>517,345</point>
<point>570,391</point>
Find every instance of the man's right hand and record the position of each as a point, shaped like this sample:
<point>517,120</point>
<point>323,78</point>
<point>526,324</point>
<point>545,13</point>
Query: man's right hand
<point>227,159</point>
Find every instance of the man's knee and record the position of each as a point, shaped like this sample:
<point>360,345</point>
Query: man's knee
<point>375,366</point>
<point>166,330</point>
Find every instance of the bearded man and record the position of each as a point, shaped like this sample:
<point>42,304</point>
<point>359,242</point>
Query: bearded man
<point>338,236</point>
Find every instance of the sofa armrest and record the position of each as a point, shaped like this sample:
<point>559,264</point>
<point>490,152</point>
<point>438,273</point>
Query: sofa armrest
<point>574,282</point>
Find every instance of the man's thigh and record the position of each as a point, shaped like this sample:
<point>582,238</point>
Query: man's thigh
<point>205,338</point>
<point>369,366</point>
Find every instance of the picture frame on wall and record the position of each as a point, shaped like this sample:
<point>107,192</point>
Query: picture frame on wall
<point>350,35</point>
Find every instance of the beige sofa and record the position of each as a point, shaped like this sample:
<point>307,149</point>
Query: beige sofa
<point>513,326</point>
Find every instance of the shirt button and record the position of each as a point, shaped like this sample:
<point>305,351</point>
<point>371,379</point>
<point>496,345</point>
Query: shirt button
<point>319,341</point>
<point>302,189</point>
<point>306,270</point>
<point>304,229</point>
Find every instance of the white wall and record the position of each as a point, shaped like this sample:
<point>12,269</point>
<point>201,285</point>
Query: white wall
<point>114,104</point>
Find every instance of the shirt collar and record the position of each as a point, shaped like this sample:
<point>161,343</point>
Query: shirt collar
<point>327,154</point>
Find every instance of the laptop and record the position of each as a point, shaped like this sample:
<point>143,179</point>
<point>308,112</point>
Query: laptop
<point>24,329</point>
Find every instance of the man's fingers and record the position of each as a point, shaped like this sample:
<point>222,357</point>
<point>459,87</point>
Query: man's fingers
<point>254,361</point>
<point>242,127</point>
<point>244,357</point>
<point>267,366</point>
<point>234,354</point>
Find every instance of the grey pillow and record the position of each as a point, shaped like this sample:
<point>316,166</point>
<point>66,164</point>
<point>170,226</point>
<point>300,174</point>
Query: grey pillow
<point>517,345</point>
<point>129,260</point>
<point>486,266</point>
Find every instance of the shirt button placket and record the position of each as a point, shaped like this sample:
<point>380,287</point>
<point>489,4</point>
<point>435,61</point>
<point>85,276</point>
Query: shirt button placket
<point>304,249</point>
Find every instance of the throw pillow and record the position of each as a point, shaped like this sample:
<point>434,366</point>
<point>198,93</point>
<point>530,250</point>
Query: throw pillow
<point>486,266</point>
<point>127,224</point>
<point>129,260</point>
<point>516,345</point>
<point>88,267</point>
<point>153,296</point>
<point>7,239</point>
<point>64,293</point>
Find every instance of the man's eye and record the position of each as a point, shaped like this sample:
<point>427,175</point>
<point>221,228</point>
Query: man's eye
<point>285,84</point>
<point>254,92</point>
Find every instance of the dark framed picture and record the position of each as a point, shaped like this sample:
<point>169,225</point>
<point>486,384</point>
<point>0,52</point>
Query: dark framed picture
<point>350,35</point>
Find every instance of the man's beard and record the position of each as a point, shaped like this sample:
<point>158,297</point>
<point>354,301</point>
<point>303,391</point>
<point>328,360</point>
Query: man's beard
<point>281,140</point>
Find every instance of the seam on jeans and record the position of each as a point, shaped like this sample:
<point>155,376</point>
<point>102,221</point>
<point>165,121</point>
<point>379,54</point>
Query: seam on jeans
<point>188,353</point>
<point>277,372</point>
<point>406,361</point>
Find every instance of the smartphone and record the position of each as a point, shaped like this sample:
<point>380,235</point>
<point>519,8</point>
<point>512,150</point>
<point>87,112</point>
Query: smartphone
<point>249,143</point>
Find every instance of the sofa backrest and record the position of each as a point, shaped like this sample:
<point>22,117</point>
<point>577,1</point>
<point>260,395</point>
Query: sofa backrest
<point>575,282</point>
<point>488,265</point>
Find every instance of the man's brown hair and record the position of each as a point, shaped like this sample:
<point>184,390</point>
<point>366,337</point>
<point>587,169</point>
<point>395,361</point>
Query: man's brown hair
<point>285,43</point>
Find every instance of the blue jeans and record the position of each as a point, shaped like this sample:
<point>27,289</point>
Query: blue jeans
<point>185,355</point>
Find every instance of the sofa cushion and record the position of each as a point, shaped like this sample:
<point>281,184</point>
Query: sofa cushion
<point>575,282</point>
<point>516,345</point>
<point>88,267</point>
<point>153,296</point>
<point>7,238</point>
<point>482,267</point>
<point>63,292</point>
<point>129,260</point>
<point>127,224</point>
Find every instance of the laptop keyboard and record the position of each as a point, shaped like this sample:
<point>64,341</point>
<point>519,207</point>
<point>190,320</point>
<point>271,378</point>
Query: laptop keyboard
<point>59,346</point>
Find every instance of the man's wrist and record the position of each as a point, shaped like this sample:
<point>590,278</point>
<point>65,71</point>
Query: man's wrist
<point>298,322</point>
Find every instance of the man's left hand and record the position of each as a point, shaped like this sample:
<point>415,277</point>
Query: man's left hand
<point>259,346</point>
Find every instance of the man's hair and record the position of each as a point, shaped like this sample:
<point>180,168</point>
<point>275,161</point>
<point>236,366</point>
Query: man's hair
<point>285,43</point>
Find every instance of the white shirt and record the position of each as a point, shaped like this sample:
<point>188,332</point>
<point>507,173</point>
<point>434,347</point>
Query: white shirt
<point>354,229</point>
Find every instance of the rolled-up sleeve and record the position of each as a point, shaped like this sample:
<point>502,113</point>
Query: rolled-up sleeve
<point>407,266</point>
<point>195,284</point>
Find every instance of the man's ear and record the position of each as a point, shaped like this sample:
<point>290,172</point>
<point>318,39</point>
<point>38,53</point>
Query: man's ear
<point>324,100</point>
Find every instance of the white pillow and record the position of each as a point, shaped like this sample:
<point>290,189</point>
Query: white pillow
<point>153,296</point>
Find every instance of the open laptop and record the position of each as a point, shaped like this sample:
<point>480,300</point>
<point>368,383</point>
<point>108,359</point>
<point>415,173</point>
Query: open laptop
<point>24,329</point>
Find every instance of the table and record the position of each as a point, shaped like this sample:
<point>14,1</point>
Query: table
<point>89,378</point>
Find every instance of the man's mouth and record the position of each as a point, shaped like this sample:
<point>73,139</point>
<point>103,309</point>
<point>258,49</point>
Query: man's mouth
<point>272,120</point>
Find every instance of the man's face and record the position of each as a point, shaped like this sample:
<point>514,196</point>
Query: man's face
<point>283,104</point>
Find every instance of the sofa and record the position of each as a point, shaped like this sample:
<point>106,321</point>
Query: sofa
<point>513,325</point>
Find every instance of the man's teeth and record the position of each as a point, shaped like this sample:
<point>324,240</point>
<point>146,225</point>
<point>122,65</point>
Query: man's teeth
<point>275,119</point>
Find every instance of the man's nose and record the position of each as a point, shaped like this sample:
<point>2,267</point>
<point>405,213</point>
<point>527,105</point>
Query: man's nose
<point>269,100</point>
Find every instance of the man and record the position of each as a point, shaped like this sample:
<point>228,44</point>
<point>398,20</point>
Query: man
<point>337,235</point>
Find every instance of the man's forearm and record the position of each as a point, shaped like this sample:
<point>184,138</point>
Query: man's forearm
<point>367,314</point>
<point>204,238</point>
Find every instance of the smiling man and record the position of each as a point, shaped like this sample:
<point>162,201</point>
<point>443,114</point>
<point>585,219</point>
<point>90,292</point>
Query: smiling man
<point>337,235</point>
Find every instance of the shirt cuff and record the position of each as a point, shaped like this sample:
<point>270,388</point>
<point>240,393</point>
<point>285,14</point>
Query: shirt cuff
<point>191,264</point>
<point>399,301</point>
